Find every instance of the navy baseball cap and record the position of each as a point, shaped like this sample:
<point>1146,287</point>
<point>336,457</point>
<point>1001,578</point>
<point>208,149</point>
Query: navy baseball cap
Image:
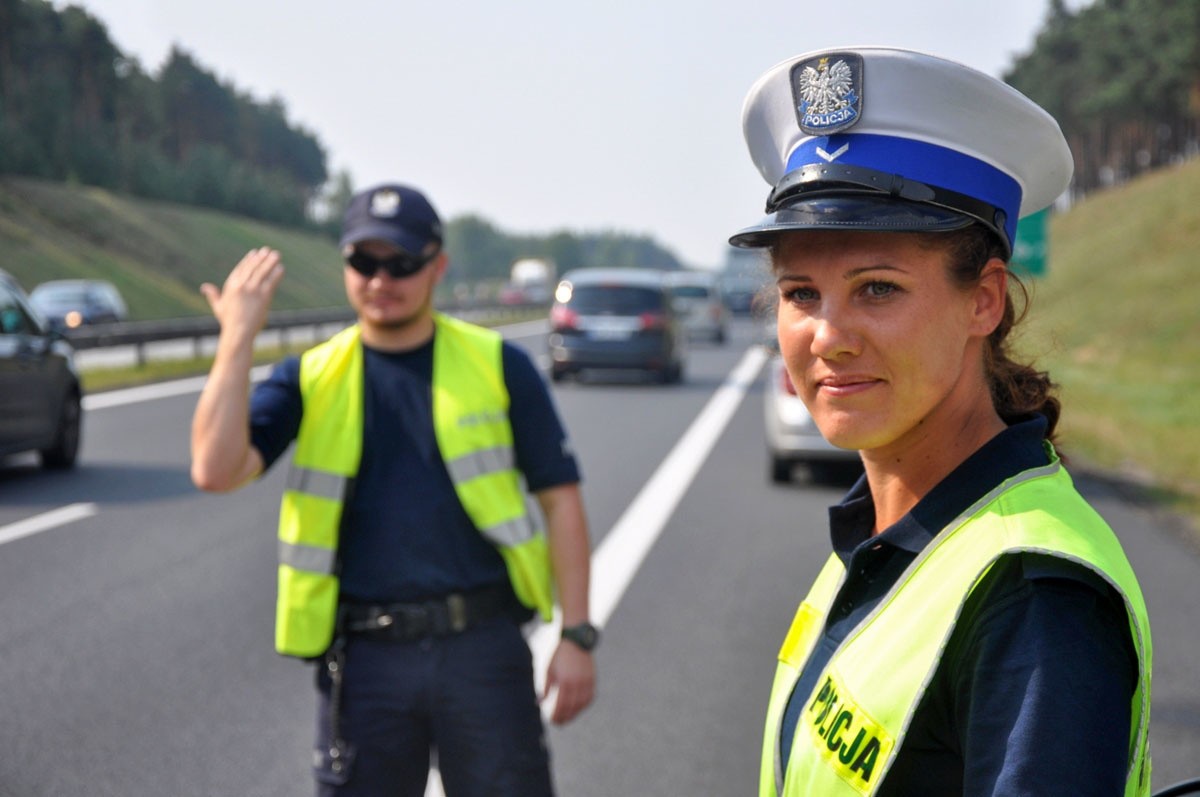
<point>395,213</point>
<point>878,138</point>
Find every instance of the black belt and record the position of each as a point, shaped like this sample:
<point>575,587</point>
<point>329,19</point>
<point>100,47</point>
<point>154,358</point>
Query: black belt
<point>449,614</point>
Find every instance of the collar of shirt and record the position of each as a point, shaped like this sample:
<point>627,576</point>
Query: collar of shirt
<point>1016,449</point>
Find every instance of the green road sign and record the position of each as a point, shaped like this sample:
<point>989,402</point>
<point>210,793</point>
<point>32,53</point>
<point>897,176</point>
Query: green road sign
<point>1029,250</point>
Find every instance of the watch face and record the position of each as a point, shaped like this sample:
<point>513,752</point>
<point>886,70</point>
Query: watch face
<point>585,635</point>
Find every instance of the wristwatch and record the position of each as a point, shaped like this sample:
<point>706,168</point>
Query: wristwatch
<point>585,635</point>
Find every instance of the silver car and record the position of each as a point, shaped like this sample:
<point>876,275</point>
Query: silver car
<point>793,437</point>
<point>701,306</point>
<point>75,302</point>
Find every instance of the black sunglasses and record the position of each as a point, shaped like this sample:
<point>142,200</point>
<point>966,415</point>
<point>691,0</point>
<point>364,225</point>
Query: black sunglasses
<point>398,266</point>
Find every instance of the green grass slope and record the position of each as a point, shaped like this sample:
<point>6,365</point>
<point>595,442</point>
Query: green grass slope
<point>1116,321</point>
<point>156,253</point>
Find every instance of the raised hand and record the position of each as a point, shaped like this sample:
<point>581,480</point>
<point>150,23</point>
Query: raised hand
<point>242,304</point>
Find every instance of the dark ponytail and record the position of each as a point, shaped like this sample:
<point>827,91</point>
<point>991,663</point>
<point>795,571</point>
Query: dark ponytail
<point>1018,389</point>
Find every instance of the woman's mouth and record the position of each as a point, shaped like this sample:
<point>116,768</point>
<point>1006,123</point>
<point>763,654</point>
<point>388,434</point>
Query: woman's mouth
<point>850,385</point>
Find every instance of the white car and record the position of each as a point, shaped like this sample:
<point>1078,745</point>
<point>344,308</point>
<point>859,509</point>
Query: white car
<point>793,437</point>
<point>698,301</point>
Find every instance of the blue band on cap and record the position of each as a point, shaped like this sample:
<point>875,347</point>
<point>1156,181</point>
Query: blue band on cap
<point>927,163</point>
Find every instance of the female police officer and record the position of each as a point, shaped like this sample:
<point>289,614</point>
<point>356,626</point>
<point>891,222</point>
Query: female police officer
<point>978,629</point>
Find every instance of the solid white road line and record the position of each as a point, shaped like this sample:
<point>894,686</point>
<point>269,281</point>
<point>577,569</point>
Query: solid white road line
<point>620,554</point>
<point>44,521</point>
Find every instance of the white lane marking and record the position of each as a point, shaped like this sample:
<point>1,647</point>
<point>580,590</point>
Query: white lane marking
<point>46,520</point>
<point>620,554</point>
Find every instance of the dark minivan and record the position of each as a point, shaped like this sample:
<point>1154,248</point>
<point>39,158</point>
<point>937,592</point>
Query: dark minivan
<point>615,318</point>
<point>40,397</point>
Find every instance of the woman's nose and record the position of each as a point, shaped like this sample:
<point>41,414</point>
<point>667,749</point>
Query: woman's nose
<point>834,337</point>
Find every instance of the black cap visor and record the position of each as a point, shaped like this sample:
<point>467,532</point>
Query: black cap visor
<point>868,212</point>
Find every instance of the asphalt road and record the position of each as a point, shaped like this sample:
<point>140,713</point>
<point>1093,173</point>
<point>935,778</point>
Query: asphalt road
<point>135,644</point>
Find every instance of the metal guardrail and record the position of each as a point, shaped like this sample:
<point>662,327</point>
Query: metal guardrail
<point>197,329</point>
<point>125,333</point>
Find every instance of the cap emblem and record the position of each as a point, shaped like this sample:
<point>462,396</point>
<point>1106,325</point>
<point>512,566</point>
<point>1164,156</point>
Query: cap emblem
<point>385,203</point>
<point>827,92</point>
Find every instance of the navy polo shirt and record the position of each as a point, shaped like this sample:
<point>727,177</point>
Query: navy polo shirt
<point>405,535</point>
<point>1032,693</point>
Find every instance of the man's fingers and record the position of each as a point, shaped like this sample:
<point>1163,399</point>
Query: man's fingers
<point>571,701</point>
<point>574,695</point>
<point>211,293</point>
<point>260,266</point>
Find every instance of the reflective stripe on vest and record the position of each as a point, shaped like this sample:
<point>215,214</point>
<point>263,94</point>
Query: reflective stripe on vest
<point>474,436</point>
<point>315,482</point>
<point>855,720</point>
<point>307,557</point>
<point>470,420</point>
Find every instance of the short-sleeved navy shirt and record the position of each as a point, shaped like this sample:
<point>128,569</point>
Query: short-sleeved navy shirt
<point>405,535</point>
<point>1032,693</point>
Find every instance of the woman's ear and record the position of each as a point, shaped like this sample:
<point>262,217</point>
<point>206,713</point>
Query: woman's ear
<point>991,295</point>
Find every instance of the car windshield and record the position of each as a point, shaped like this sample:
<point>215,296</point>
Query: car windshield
<point>60,294</point>
<point>690,291</point>
<point>615,299</point>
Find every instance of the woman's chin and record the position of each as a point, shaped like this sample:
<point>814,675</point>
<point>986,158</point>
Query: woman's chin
<point>851,434</point>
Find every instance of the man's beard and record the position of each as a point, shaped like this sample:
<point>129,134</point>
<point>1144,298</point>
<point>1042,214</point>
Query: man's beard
<point>403,322</point>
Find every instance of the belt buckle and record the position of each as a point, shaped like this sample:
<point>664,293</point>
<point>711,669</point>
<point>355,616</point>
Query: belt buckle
<point>456,606</point>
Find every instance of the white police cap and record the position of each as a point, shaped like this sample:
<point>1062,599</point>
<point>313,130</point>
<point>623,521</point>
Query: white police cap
<point>878,138</point>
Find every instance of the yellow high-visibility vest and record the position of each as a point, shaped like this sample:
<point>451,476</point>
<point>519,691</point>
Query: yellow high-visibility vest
<point>855,720</point>
<point>474,436</point>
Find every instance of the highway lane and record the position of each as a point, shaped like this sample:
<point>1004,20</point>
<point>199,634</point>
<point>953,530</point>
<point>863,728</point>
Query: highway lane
<point>136,641</point>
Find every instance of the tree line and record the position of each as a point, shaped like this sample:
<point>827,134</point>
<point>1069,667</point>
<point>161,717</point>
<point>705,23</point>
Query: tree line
<point>1122,77</point>
<point>74,108</point>
<point>479,250</point>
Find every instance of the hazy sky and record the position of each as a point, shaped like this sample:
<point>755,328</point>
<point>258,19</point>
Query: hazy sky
<point>543,115</point>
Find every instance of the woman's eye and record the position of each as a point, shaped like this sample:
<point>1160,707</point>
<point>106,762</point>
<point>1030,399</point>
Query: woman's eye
<point>800,294</point>
<point>880,290</point>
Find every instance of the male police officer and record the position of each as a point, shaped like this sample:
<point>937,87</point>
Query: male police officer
<point>409,550</point>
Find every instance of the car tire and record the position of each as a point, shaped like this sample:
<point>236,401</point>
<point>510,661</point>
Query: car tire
<point>781,470</point>
<point>61,455</point>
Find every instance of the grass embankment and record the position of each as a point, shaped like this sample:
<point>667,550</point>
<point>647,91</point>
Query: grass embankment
<point>1116,321</point>
<point>156,253</point>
